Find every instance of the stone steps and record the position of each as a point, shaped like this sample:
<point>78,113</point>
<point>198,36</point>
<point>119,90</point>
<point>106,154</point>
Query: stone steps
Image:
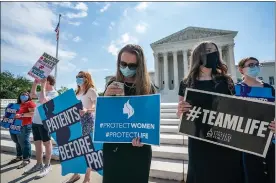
<point>169,106</point>
<point>168,115</point>
<point>176,139</point>
<point>170,152</point>
<point>162,151</point>
<point>160,167</point>
<point>165,138</point>
<point>168,111</point>
<point>169,121</point>
<point>168,128</point>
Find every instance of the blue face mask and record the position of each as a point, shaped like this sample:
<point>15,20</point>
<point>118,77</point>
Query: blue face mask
<point>79,81</point>
<point>127,72</point>
<point>24,98</point>
<point>253,72</point>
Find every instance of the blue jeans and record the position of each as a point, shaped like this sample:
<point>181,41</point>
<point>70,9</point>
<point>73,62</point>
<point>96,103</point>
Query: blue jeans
<point>22,142</point>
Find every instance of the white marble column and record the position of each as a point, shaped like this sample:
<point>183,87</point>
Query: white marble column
<point>156,68</point>
<point>166,71</point>
<point>175,70</point>
<point>185,62</point>
<point>232,62</point>
<point>220,52</point>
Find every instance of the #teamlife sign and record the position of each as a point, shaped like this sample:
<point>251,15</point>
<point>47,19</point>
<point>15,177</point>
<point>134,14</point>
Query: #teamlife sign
<point>120,119</point>
<point>61,117</point>
<point>230,121</point>
<point>43,67</point>
<point>257,93</point>
<point>9,121</point>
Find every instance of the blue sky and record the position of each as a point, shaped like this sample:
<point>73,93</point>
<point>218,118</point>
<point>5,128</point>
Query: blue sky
<point>93,32</point>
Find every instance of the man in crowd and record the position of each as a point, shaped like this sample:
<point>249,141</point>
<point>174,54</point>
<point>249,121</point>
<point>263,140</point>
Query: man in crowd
<point>40,134</point>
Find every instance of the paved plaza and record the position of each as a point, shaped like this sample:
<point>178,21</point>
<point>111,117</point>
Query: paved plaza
<point>9,173</point>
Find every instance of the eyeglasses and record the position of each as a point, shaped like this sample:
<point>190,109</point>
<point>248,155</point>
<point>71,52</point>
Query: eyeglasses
<point>79,76</point>
<point>252,65</point>
<point>131,66</point>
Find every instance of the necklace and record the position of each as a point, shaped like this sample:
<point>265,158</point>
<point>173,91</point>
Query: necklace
<point>129,86</point>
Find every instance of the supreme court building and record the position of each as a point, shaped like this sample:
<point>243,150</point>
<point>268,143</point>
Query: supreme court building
<point>172,57</point>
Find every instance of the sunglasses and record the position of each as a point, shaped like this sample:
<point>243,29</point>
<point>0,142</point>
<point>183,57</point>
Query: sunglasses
<point>252,65</point>
<point>131,66</point>
<point>79,77</point>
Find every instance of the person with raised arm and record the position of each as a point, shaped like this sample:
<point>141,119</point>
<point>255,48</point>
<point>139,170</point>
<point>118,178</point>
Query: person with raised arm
<point>40,134</point>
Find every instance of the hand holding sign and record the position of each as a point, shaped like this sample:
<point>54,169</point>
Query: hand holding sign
<point>272,126</point>
<point>36,81</point>
<point>136,142</point>
<point>82,111</point>
<point>17,116</point>
<point>183,107</point>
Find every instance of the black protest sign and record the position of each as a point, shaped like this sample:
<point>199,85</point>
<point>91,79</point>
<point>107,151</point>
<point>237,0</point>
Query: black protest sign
<point>230,121</point>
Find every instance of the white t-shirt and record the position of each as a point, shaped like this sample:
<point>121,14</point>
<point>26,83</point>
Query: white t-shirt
<point>50,95</point>
<point>89,99</point>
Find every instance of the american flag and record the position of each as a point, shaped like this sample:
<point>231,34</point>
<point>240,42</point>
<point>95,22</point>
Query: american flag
<point>57,31</point>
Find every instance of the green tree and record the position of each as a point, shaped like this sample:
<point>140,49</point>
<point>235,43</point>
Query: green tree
<point>101,94</point>
<point>62,89</point>
<point>11,85</point>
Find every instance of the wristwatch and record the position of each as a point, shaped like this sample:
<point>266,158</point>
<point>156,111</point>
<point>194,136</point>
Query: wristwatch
<point>22,115</point>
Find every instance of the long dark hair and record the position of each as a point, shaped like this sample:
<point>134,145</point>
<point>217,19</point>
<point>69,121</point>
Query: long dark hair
<point>142,78</point>
<point>23,92</point>
<point>198,58</point>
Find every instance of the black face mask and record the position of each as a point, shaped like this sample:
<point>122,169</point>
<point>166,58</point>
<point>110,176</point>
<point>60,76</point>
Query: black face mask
<point>212,60</point>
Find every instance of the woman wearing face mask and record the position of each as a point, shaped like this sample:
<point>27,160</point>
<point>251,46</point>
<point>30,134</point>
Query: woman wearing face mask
<point>123,162</point>
<point>209,163</point>
<point>22,140</point>
<point>257,169</point>
<point>86,92</point>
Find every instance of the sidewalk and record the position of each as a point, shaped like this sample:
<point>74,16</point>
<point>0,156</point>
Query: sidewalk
<point>9,173</point>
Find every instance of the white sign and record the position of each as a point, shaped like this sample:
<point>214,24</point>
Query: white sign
<point>43,67</point>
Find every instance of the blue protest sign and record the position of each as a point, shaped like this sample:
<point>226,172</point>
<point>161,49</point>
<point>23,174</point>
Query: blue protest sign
<point>120,119</point>
<point>259,93</point>
<point>9,121</point>
<point>61,117</point>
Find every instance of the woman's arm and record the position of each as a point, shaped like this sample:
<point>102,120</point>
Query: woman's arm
<point>31,108</point>
<point>29,114</point>
<point>93,97</point>
<point>179,112</point>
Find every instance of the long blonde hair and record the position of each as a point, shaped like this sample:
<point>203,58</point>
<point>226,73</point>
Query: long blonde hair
<point>142,78</point>
<point>88,82</point>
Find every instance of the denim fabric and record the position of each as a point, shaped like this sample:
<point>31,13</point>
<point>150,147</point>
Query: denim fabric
<point>24,140</point>
<point>15,139</point>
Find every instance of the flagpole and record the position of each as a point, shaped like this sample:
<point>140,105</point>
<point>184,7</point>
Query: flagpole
<point>57,50</point>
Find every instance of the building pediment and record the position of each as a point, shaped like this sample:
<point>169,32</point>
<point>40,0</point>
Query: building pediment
<point>190,33</point>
